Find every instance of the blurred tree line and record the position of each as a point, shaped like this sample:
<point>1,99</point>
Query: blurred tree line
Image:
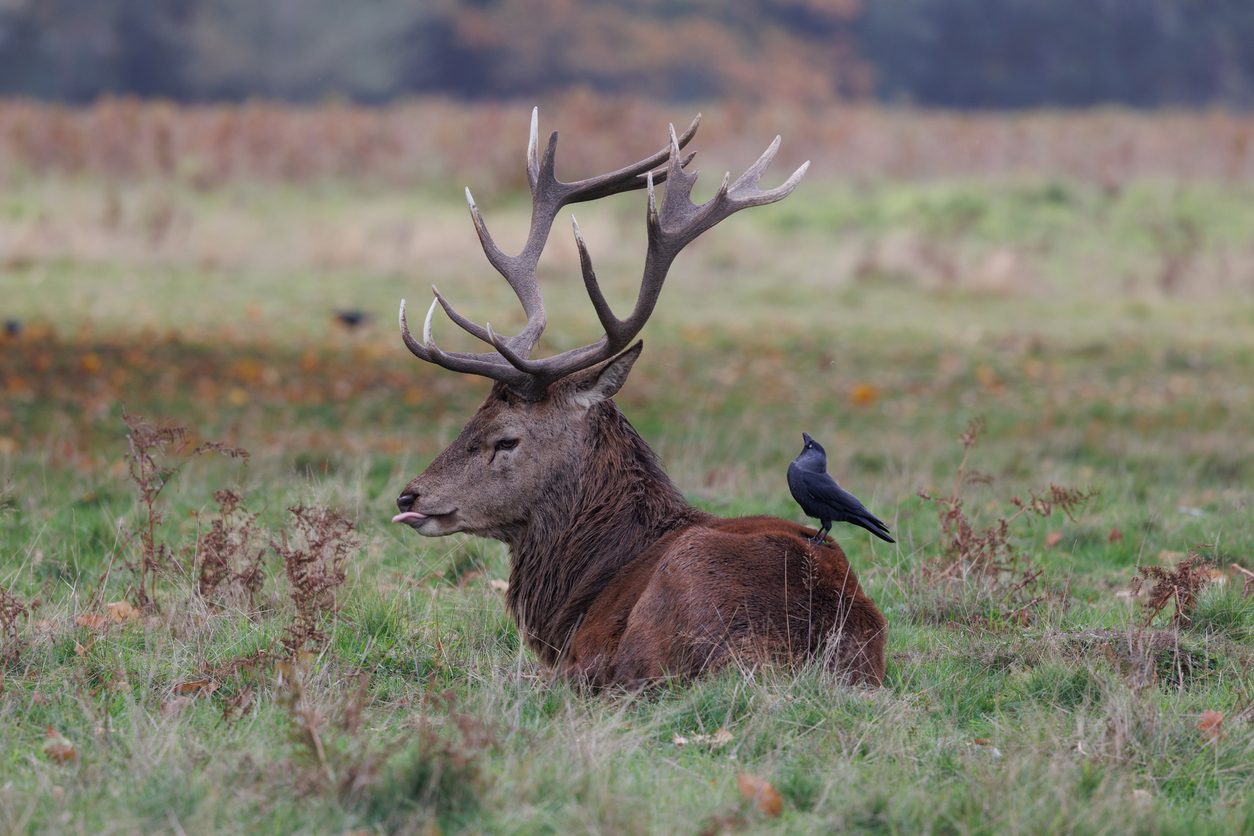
<point>951,53</point>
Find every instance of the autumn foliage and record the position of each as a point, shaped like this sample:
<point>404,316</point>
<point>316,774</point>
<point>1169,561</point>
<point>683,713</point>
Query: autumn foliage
<point>421,141</point>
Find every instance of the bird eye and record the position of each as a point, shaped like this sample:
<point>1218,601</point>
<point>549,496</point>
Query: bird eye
<point>506,444</point>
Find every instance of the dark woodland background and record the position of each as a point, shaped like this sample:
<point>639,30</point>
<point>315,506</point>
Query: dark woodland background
<point>936,53</point>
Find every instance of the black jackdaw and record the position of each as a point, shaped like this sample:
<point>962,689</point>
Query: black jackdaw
<point>820,497</point>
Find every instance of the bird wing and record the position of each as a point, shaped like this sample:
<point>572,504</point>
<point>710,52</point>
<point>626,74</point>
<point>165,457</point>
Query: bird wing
<point>825,490</point>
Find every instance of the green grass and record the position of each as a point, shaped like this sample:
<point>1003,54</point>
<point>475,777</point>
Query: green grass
<point>880,319</point>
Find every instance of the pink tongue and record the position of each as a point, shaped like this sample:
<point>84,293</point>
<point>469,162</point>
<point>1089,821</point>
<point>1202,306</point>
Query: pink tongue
<point>409,516</point>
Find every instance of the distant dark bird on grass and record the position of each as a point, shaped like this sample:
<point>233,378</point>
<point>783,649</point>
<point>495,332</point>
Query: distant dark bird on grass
<point>352,319</point>
<point>12,327</point>
<point>820,497</point>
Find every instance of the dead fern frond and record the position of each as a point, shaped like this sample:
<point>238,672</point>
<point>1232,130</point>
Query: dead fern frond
<point>979,576</point>
<point>12,610</point>
<point>230,557</point>
<point>155,456</point>
<point>313,555</point>
<point>1180,586</point>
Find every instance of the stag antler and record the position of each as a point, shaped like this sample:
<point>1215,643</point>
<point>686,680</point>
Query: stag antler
<point>669,230</point>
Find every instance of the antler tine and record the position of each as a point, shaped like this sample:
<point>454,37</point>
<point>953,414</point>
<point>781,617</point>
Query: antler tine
<point>754,172</point>
<point>680,221</point>
<point>496,257</point>
<point>465,324</point>
<point>533,147</point>
<point>427,349</point>
<point>745,190</point>
<point>679,182</point>
<point>413,345</point>
<point>609,322</point>
<point>629,177</point>
<point>486,365</point>
<point>518,271</point>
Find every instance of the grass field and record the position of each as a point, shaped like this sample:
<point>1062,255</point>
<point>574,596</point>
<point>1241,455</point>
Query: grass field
<point>1105,335</point>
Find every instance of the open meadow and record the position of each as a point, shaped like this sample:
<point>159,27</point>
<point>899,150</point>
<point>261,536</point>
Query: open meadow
<point>180,652</point>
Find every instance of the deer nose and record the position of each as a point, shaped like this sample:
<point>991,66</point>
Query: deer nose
<point>406,501</point>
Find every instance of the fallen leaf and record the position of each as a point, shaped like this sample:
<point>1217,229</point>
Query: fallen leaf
<point>864,394</point>
<point>468,577</point>
<point>237,705</point>
<point>121,611</point>
<point>196,687</point>
<point>1211,724</point>
<point>1248,579</point>
<point>759,790</point>
<point>58,748</point>
<point>175,706</point>
<point>717,740</point>
<point>982,741</point>
<point>1053,538</point>
<point>987,376</point>
<point>1115,536</point>
<point>81,650</point>
<point>92,621</point>
<point>499,585</point>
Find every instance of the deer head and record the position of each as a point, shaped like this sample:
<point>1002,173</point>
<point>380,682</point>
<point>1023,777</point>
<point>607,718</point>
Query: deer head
<point>544,420</point>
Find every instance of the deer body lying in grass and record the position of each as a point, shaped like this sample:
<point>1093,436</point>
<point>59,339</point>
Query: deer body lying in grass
<point>615,579</point>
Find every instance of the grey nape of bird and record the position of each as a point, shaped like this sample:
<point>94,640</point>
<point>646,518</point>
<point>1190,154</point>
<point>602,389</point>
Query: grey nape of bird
<point>820,497</point>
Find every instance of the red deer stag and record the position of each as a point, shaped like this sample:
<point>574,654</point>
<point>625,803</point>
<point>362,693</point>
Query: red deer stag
<point>614,578</point>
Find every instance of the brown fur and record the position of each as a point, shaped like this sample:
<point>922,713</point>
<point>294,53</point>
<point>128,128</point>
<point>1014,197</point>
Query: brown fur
<point>615,579</point>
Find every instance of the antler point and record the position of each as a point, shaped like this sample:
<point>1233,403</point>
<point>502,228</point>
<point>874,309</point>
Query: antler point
<point>426,325</point>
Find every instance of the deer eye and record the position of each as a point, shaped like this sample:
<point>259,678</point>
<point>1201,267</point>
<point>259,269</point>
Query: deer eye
<point>506,444</point>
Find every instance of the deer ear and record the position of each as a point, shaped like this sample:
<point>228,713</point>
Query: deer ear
<point>602,384</point>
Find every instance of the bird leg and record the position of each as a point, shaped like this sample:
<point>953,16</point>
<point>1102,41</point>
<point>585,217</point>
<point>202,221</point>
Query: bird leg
<point>821,535</point>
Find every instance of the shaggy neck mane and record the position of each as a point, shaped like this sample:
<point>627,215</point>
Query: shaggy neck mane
<point>616,503</point>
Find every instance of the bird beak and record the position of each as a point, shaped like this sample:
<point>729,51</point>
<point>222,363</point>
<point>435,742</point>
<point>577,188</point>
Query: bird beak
<point>805,437</point>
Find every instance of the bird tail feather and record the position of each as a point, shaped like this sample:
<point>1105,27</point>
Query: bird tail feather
<point>873,524</point>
